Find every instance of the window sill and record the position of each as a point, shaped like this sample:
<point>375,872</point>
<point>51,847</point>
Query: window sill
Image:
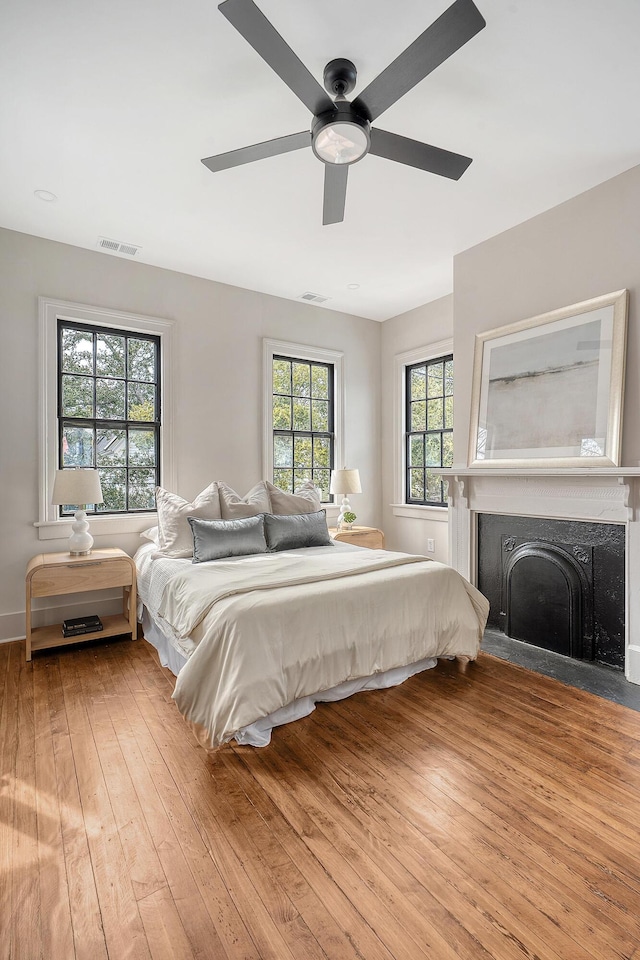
<point>416,512</point>
<point>99,526</point>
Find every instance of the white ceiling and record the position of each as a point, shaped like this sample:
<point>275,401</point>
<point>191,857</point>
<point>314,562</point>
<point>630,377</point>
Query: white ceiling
<point>111,106</point>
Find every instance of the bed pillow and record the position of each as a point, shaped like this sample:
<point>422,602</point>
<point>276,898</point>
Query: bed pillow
<point>174,534</point>
<point>150,534</point>
<point>234,507</point>
<point>297,530</point>
<point>305,499</point>
<point>217,539</point>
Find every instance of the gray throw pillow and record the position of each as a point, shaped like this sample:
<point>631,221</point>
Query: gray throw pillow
<point>217,539</point>
<point>299,530</point>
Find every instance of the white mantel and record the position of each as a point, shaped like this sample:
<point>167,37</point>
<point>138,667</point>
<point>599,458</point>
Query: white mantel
<point>605,495</point>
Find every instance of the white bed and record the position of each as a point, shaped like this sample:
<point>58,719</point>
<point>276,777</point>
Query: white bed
<point>256,641</point>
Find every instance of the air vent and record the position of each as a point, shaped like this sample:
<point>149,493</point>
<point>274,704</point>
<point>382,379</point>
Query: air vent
<point>313,297</point>
<point>116,246</point>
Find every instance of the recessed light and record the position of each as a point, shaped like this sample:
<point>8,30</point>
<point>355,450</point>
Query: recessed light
<point>353,286</point>
<point>45,195</point>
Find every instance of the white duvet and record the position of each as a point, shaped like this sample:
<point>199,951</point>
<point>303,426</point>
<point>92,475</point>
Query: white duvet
<point>264,631</point>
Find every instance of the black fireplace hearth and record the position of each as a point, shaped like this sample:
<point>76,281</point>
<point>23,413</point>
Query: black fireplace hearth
<point>555,584</point>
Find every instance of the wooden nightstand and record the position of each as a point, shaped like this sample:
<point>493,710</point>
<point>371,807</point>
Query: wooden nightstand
<point>55,574</point>
<point>360,537</point>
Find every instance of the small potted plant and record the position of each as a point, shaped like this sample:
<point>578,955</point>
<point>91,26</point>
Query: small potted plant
<point>349,519</point>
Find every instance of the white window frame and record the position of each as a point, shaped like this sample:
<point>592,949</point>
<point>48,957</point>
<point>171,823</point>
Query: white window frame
<point>50,525</point>
<point>403,360</point>
<point>301,351</point>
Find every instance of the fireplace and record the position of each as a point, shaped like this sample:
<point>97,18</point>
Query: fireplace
<point>597,602</point>
<point>556,584</point>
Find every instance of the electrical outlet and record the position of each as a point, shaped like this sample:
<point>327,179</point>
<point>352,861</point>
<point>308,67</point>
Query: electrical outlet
<point>431,546</point>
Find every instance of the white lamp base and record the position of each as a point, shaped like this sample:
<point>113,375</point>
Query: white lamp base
<point>345,507</point>
<point>80,541</point>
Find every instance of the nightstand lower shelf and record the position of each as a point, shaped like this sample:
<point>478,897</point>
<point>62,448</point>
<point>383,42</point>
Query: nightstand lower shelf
<point>44,637</point>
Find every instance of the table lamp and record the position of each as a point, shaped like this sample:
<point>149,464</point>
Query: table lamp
<point>78,487</point>
<point>344,482</point>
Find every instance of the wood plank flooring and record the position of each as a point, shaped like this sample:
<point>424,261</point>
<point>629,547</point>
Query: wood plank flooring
<point>490,814</point>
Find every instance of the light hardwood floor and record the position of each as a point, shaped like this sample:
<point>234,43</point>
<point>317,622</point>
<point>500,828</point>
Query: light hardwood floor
<point>491,814</point>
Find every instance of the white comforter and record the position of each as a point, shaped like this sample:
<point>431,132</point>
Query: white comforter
<point>267,630</point>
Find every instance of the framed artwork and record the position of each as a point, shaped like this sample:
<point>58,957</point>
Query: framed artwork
<point>548,391</point>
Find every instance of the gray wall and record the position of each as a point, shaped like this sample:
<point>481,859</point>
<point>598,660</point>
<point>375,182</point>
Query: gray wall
<point>218,382</point>
<point>583,248</point>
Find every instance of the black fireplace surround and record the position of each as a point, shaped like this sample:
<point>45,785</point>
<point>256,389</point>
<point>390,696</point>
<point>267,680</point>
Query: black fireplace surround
<point>556,584</point>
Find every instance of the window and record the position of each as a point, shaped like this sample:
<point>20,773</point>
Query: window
<point>303,423</point>
<point>90,358</point>
<point>109,412</point>
<point>428,429</point>
<point>303,415</point>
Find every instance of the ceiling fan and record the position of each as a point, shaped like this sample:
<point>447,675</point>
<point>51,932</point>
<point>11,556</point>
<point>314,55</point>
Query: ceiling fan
<point>341,131</point>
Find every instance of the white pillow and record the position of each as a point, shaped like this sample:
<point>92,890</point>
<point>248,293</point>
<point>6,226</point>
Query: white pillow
<point>234,507</point>
<point>306,499</point>
<point>150,534</point>
<point>175,537</point>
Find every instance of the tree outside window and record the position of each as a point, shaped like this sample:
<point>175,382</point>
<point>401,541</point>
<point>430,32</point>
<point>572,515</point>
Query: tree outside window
<point>303,423</point>
<point>429,430</point>
<point>109,412</point>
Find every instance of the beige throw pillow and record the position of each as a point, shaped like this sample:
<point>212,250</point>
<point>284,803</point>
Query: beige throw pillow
<point>175,538</point>
<point>306,499</point>
<point>234,507</point>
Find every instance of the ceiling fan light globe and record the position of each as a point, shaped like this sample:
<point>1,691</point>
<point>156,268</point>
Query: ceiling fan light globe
<point>341,142</point>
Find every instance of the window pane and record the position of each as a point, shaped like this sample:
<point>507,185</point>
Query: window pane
<point>301,379</point>
<point>110,399</point>
<point>320,383</point>
<point>302,452</point>
<point>448,378</point>
<point>283,451</point>
<point>113,483</point>
<point>418,383</point>
<point>299,477</point>
<point>142,401</point>
<point>321,479</point>
<point>320,412</point>
<point>433,449</point>
<point>142,484</point>
<point>142,361</point>
<point>142,448</point>
<point>111,448</point>
<point>281,376</point>
<point>77,447</point>
<point>77,351</point>
<point>321,452</point>
<point>434,487</point>
<point>416,452</point>
<point>281,413</point>
<point>284,480</point>
<point>418,416</point>
<point>435,382</point>
<point>110,356</point>
<point>448,412</point>
<point>416,484</point>
<point>301,414</point>
<point>434,415</point>
<point>77,396</point>
<point>447,449</point>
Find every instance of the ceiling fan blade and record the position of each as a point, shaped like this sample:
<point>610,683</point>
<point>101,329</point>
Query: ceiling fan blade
<point>258,151</point>
<point>416,154</point>
<point>249,21</point>
<point>335,192</point>
<point>459,23</point>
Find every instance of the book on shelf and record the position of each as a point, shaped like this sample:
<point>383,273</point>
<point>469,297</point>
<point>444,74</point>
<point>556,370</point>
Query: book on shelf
<point>77,625</point>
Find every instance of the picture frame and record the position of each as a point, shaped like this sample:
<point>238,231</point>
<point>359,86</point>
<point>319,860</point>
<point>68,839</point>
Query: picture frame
<point>548,391</point>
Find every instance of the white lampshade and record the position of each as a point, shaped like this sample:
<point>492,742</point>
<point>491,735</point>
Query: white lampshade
<point>345,481</point>
<point>77,487</point>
